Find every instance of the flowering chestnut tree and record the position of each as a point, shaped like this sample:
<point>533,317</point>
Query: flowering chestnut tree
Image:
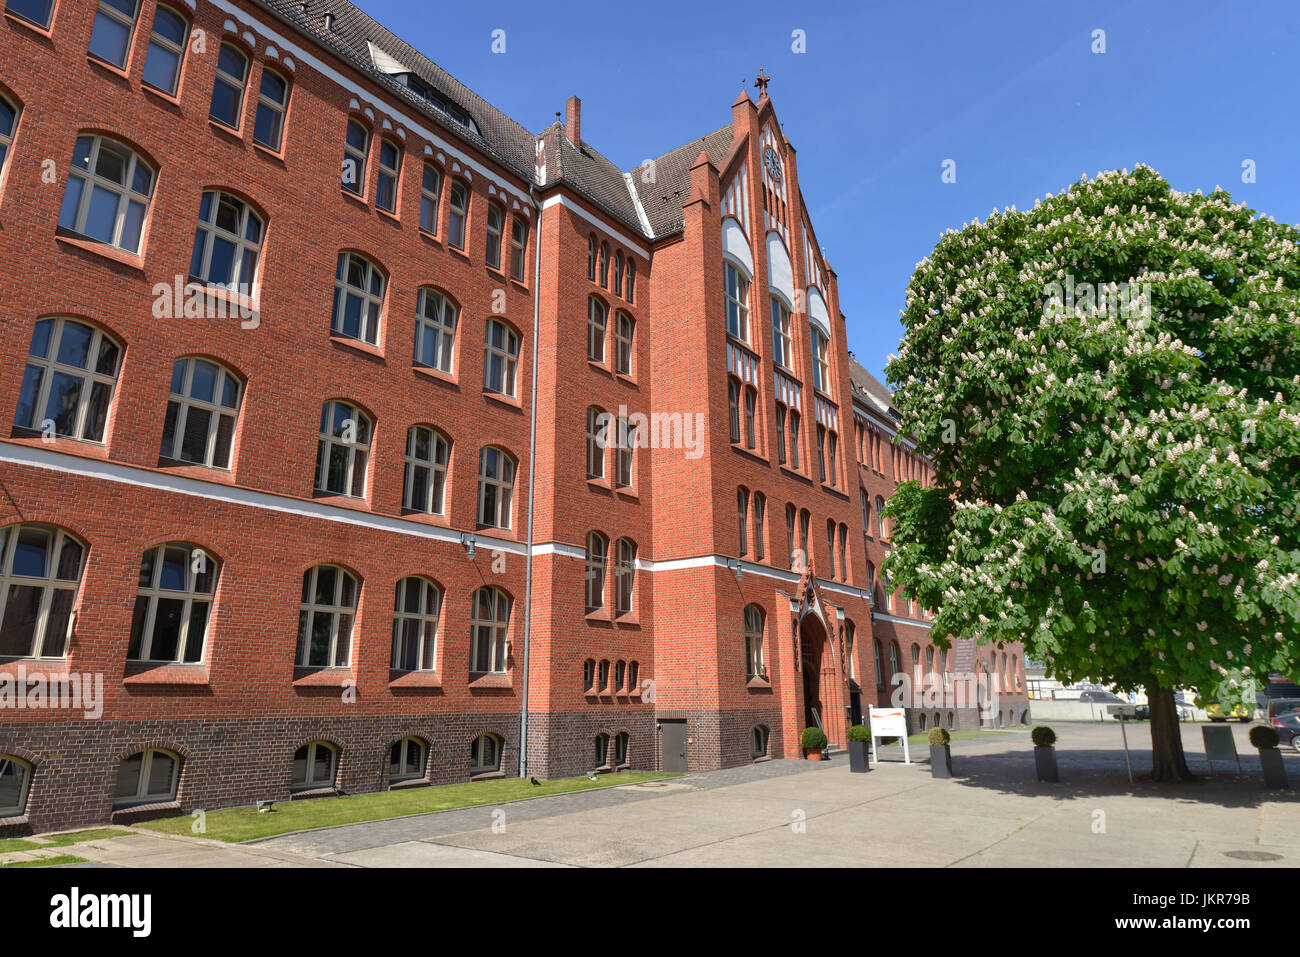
<point>1108,387</point>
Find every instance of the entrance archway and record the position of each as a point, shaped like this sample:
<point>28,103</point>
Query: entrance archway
<point>812,642</point>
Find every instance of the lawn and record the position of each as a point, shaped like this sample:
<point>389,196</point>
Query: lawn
<point>58,861</point>
<point>246,824</point>
<point>59,840</point>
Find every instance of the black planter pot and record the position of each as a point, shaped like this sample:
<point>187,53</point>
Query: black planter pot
<point>859,757</point>
<point>1270,760</point>
<point>1045,763</point>
<point>940,761</point>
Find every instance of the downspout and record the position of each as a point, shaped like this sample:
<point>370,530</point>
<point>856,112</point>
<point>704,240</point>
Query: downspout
<point>532,486</point>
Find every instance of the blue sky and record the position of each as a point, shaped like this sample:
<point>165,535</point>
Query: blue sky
<point>1010,91</point>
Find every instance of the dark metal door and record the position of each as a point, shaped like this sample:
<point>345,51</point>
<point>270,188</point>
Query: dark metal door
<point>672,738</point>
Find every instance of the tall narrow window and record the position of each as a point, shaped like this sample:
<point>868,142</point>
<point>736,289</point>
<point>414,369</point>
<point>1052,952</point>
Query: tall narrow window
<point>844,552</point>
<point>358,298</point>
<point>751,415</point>
<point>733,408</point>
<point>162,62</point>
<point>228,88</point>
<point>329,607</point>
<point>489,622</point>
<point>821,371</point>
<point>496,221</point>
<point>435,330</point>
<point>626,454</point>
<point>604,265</point>
<point>865,502</point>
<point>342,450</point>
<point>625,576</point>
<point>623,328</point>
<point>736,287</point>
<point>8,120</point>
<point>173,604</point>
<point>830,546</point>
<point>272,102</point>
<point>201,413</point>
<point>518,247</point>
<point>794,439</point>
<point>618,273</point>
<point>69,381</point>
<point>601,751</point>
<point>760,507</point>
<point>500,358</point>
<point>457,217</point>
<point>496,485</point>
<point>390,171</point>
<point>789,536</point>
<point>780,433</point>
<point>596,322</point>
<point>781,353</point>
<point>110,37</point>
<point>880,674</point>
<point>832,452</point>
<point>39,575</point>
<point>108,191</point>
<point>597,555</point>
<point>415,624</point>
<point>821,452</point>
<point>742,519</point>
<point>631,280</point>
<point>424,483</point>
<point>430,194</point>
<point>754,622</point>
<point>620,749</point>
<point>880,517</point>
<point>227,241</point>
<point>597,441</point>
<point>805,523</point>
<point>848,651</point>
<point>591,257</point>
<point>356,147</point>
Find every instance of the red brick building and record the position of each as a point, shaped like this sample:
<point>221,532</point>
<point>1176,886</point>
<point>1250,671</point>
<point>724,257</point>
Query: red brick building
<point>313,475</point>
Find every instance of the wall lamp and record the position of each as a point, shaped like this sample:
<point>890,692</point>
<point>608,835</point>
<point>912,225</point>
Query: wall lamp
<point>734,565</point>
<point>467,540</point>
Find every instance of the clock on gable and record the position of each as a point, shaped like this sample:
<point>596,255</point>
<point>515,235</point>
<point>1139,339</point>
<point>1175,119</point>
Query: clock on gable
<point>773,164</point>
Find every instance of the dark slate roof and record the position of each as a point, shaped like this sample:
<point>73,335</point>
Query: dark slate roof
<point>662,200</point>
<point>592,175</point>
<point>871,392</point>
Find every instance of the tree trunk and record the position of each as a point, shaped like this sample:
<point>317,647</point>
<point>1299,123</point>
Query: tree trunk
<point>1167,760</point>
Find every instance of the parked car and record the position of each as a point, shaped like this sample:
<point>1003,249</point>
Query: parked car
<point>1101,697</point>
<point>1214,711</point>
<point>1287,726</point>
<point>1278,706</point>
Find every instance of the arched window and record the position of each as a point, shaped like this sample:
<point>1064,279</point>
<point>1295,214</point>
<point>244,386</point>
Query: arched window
<point>329,608</point>
<point>604,265</point>
<point>623,329</point>
<point>435,329</point>
<point>38,587</point>
<point>356,147</point>
<point>751,417</point>
<point>591,257</point>
<point>782,351</point>
<point>849,635</point>
<point>597,440</point>
<point>602,685</point>
<point>893,660</point>
<point>916,664</point>
<point>742,520</point>
<point>358,298</point>
<point>490,619</point>
<point>921,721</point>
<point>736,288</point>
<point>315,765</point>
<point>201,414</point>
<point>625,577</point>
<point>632,677</point>
<point>871,580</point>
<point>805,545</point>
<point>625,454</point>
<point>415,624</point>
<point>601,743</point>
<point>760,533</point>
<point>620,749</point>
<point>496,225</point>
<point>228,91</point>
<point>755,620</point>
<point>596,322</point>
<point>110,37</point>
<point>820,367</point>
<point>518,247</point>
<point>794,439</point>
<point>342,450</point>
<point>865,501</point>
<point>173,604</point>
<point>108,193</point>
<point>1015,672</point>
<point>880,675</point>
<point>8,120</point>
<point>226,243</point>
<point>407,760</point>
<point>430,194</point>
<point>618,272</point>
<point>589,674</point>
<point>15,778</point>
<point>485,754</point>
<point>68,384</point>
<point>496,486</point>
<point>500,358</point>
<point>620,675</point>
<point>889,592</point>
<point>759,742</point>
<point>830,545</point>
<point>390,171</point>
<point>733,407</point>
<point>167,42</point>
<point>789,534</point>
<point>147,778</point>
<point>880,517</point>
<point>630,296</point>
<point>272,104</point>
<point>929,661</point>
<point>424,483</point>
<point>458,215</point>
<point>597,555</point>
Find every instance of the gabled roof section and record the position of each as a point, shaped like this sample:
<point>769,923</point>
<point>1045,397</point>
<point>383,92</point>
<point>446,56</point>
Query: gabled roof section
<point>872,393</point>
<point>663,199</point>
<point>590,174</point>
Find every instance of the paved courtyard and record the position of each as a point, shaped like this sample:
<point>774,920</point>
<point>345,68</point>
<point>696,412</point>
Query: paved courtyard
<point>993,813</point>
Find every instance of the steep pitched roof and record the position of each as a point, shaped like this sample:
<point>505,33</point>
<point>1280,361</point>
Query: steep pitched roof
<point>871,392</point>
<point>662,199</point>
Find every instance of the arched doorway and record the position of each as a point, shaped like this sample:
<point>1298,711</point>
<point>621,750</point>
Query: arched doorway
<point>812,642</point>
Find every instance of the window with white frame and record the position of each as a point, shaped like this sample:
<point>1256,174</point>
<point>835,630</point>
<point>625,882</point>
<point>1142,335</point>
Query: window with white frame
<point>272,103</point>
<point>591,257</point>
<point>760,508</point>
<point>496,485</point>
<point>8,120</point>
<point>596,322</point>
<point>624,326</point>
<point>489,623</point>
<point>390,170</point>
<point>407,760</point>
<point>596,557</point>
<point>625,454</point>
<point>39,577</point>
<point>166,53</point>
<point>604,265</point>
<point>742,520</point>
<point>485,754</point>
<point>110,37</point>
<point>518,247</point>
<point>315,765</point>
<point>435,330</point>
<point>458,215</point>
<point>880,517</point>
<point>496,222</point>
<point>329,608</point>
<point>146,778</point>
<point>736,288</point>
<point>500,358</point>
<point>69,380</point>
<point>15,778</point>
<point>415,624</point>
<point>820,368</point>
<point>625,577</point>
<point>424,483</point>
<point>342,450</point>
<point>108,192</point>
<point>358,298</point>
<point>430,194</point>
<point>782,350</point>
<point>630,288</point>
<point>754,624</point>
<point>226,243</point>
<point>33,11</point>
<point>356,147</point>
<point>618,272</point>
<point>228,87</point>
<point>173,604</point>
<point>597,441</point>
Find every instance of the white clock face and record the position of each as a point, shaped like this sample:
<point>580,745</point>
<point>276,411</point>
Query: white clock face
<point>773,163</point>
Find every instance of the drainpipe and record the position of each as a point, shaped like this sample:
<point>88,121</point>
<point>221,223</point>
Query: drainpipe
<point>532,484</point>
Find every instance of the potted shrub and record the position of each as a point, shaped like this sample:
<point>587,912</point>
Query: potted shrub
<point>859,742</point>
<point>813,742</point>
<point>940,753</point>
<point>1044,753</point>
<point>1270,758</point>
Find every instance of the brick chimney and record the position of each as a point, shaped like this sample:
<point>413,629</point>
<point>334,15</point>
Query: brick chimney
<point>573,120</point>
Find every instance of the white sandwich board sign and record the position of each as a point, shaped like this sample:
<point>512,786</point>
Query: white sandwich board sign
<point>889,723</point>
